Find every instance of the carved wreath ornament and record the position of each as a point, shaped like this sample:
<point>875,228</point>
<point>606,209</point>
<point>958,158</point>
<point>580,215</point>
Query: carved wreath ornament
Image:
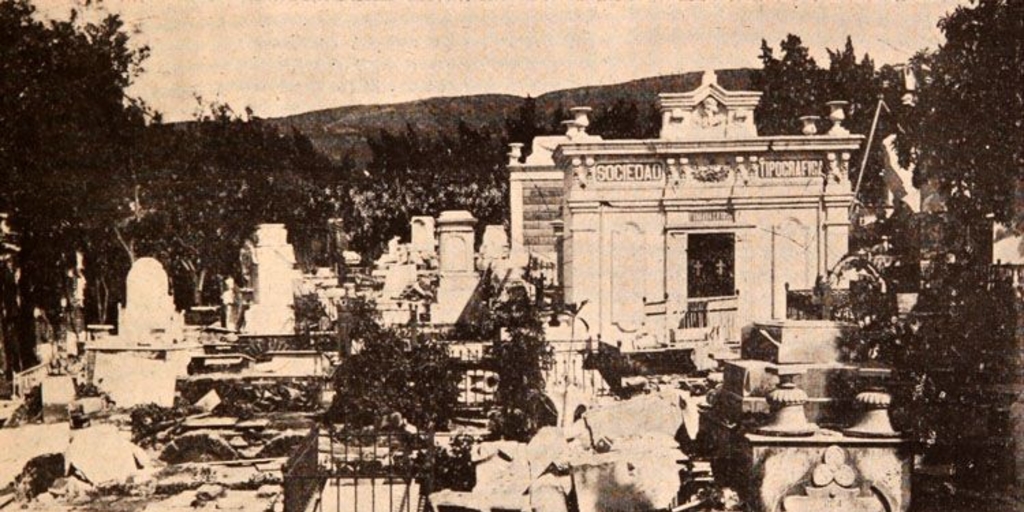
<point>710,173</point>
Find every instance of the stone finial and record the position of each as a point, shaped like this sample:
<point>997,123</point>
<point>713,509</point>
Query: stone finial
<point>709,77</point>
<point>874,401</point>
<point>787,407</point>
<point>515,152</point>
<point>837,114</point>
<point>810,125</point>
<point>582,117</point>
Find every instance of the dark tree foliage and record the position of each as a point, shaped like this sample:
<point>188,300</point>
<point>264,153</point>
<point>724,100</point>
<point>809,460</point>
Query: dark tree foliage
<point>793,85</point>
<point>967,130</point>
<point>411,175</point>
<point>966,137</point>
<point>66,128</point>
<point>393,371</point>
<point>453,466</point>
<point>523,353</point>
<point>625,120</point>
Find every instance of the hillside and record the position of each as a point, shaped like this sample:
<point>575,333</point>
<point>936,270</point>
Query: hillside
<point>344,130</point>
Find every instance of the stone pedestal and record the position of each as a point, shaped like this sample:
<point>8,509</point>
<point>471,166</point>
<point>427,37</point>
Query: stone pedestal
<point>458,270</point>
<point>826,472</point>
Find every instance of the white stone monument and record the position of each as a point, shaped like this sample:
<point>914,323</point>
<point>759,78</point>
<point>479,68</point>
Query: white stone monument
<point>495,246</point>
<point>458,271</point>
<point>422,238</point>
<point>148,316</point>
<point>273,276</point>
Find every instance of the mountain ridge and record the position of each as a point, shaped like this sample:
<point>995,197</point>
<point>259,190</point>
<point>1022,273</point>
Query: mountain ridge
<point>344,131</point>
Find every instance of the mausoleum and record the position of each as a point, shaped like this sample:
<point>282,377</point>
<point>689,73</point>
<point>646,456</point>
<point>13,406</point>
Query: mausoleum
<point>695,234</point>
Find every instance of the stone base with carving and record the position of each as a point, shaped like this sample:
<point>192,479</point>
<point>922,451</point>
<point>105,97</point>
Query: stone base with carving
<point>826,472</point>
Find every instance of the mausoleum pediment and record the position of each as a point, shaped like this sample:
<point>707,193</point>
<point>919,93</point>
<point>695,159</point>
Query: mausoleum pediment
<point>708,112</point>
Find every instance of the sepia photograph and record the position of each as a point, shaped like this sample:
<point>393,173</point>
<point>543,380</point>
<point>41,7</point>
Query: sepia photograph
<point>512,256</point>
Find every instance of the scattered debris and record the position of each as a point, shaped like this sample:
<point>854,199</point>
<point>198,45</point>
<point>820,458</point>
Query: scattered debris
<point>101,455</point>
<point>39,474</point>
<point>209,492</point>
<point>209,401</point>
<point>199,446</point>
<point>27,442</point>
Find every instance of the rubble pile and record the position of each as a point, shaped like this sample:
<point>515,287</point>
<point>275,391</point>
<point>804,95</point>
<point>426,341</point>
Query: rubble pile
<point>244,397</point>
<point>622,455</point>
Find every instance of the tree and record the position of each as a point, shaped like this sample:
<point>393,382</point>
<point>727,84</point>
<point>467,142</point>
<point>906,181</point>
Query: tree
<point>393,371</point>
<point>66,133</point>
<point>623,120</point>
<point>523,353</point>
<point>969,108</point>
<point>792,87</point>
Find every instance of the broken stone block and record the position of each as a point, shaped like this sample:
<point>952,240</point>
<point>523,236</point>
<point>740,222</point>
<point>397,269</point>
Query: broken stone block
<point>649,414</point>
<point>101,455</point>
<point>550,492</point>
<point>209,492</point>
<point>282,445</point>
<point>209,401</point>
<point>633,478</point>
<point>795,341</point>
<point>268,491</point>
<point>198,447</point>
<point>58,393</point>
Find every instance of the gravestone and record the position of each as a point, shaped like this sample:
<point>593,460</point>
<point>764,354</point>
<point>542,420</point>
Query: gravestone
<point>273,276</point>
<point>148,316</point>
<point>458,271</point>
<point>422,237</point>
<point>495,246</point>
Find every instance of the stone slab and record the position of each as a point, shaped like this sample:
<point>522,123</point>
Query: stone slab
<point>58,393</point>
<point>795,341</point>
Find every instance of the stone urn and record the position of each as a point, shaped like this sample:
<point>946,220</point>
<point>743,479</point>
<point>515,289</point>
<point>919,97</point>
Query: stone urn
<point>810,125</point>
<point>837,114</point>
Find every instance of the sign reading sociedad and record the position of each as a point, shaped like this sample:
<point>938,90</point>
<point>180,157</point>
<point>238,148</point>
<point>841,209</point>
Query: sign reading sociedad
<point>631,173</point>
<point>789,168</point>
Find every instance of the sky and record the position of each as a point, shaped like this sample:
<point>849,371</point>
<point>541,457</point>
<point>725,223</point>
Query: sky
<point>283,57</point>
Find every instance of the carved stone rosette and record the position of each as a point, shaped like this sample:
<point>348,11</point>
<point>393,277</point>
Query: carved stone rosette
<point>834,485</point>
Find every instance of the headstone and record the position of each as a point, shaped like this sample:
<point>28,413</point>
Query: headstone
<point>273,276</point>
<point>148,316</point>
<point>422,236</point>
<point>458,271</point>
<point>495,244</point>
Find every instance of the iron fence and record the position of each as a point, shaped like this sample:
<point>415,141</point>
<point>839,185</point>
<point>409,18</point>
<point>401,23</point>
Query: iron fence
<point>376,470</point>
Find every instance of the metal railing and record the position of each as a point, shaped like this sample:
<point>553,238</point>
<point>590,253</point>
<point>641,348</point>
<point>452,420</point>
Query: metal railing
<point>714,318</point>
<point>24,381</point>
<point>387,470</point>
<point>302,474</point>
